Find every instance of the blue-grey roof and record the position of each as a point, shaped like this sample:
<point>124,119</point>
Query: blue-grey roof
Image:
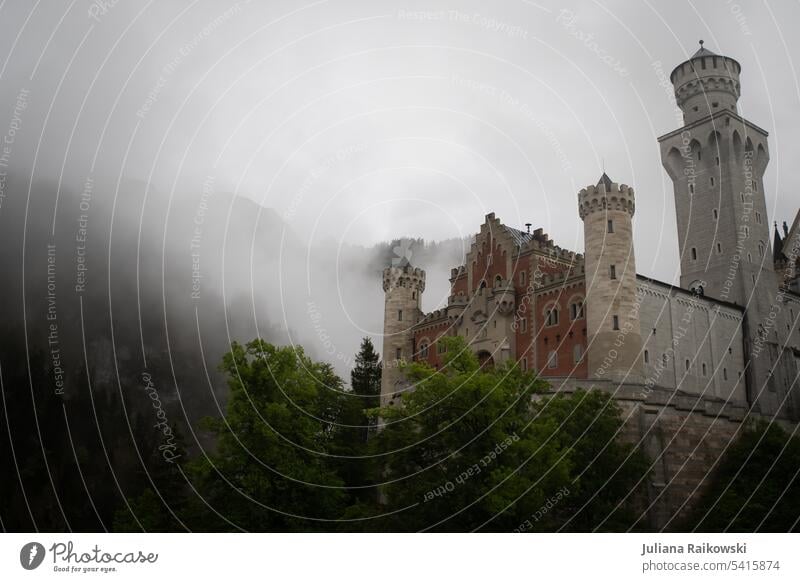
<point>520,237</point>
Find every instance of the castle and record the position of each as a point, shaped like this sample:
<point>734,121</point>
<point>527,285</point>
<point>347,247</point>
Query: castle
<point>686,364</point>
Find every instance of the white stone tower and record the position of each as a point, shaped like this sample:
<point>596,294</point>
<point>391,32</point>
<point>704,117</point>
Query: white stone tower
<point>612,312</point>
<point>403,288</point>
<point>717,162</point>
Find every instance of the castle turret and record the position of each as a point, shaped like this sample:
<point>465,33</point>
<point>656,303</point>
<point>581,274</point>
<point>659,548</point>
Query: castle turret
<point>403,288</point>
<point>706,83</point>
<point>612,314</point>
<point>717,162</point>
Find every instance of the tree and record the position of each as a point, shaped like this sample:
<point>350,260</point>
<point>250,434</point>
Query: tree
<point>474,448</point>
<point>756,486</point>
<point>357,467</point>
<point>272,470</point>
<point>365,381</point>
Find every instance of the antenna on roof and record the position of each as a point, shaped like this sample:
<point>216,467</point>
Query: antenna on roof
<point>528,226</point>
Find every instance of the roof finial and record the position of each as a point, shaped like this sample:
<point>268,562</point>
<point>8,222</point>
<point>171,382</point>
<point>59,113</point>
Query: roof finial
<point>701,43</point>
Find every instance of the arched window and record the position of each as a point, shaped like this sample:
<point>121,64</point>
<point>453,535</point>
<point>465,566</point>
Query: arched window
<point>498,280</point>
<point>694,254</point>
<point>552,359</point>
<point>704,368</point>
<point>551,315</point>
<point>761,248</point>
<point>646,357</point>
<point>423,349</point>
<point>576,310</point>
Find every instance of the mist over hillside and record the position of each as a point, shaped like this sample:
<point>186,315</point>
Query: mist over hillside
<point>135,279</point>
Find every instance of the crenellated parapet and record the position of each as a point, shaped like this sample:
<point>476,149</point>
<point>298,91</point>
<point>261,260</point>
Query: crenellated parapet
<point>406,276</point>
<point>604,197</point>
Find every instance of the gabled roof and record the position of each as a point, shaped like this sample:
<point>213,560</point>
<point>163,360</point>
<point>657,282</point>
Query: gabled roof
<point>519,237</point>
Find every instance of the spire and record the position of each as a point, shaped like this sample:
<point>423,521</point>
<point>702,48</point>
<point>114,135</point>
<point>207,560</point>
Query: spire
<point>777,246</point>
<point>604,179</point>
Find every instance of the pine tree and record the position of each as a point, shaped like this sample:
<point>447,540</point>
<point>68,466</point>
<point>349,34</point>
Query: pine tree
<point>365,380</point>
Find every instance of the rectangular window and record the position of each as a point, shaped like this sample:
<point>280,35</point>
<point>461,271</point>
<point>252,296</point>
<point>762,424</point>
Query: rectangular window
<point>610,226</point>
<point>612,271</point>
<point>523,325</point>
<point>399,315</point>
<point>522,278</point>
<point>615,322</point>
<point>646,357</point>
<point>399,354</point>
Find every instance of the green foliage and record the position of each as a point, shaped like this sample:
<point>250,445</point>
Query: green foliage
<point>474,448</point>
<point>271,470</point>
<point>755,486</point>
<point>357,467</point>
<point>469,448</point>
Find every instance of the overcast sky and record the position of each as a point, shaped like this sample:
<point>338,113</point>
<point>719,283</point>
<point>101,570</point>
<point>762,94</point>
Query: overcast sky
<point>360,121</point>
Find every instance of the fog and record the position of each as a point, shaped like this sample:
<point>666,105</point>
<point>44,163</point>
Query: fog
<point>243,169</point>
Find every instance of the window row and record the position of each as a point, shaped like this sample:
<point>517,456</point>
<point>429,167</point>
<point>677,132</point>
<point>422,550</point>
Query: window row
<point>577,355</point>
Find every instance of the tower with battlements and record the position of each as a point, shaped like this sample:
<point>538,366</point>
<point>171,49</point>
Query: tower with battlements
<point>612,312</point>
<point>403,287</point>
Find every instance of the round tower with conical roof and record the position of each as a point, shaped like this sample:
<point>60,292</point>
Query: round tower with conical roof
<point>706,83</point>
<point>612,311</point>
<point>717,162</point>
